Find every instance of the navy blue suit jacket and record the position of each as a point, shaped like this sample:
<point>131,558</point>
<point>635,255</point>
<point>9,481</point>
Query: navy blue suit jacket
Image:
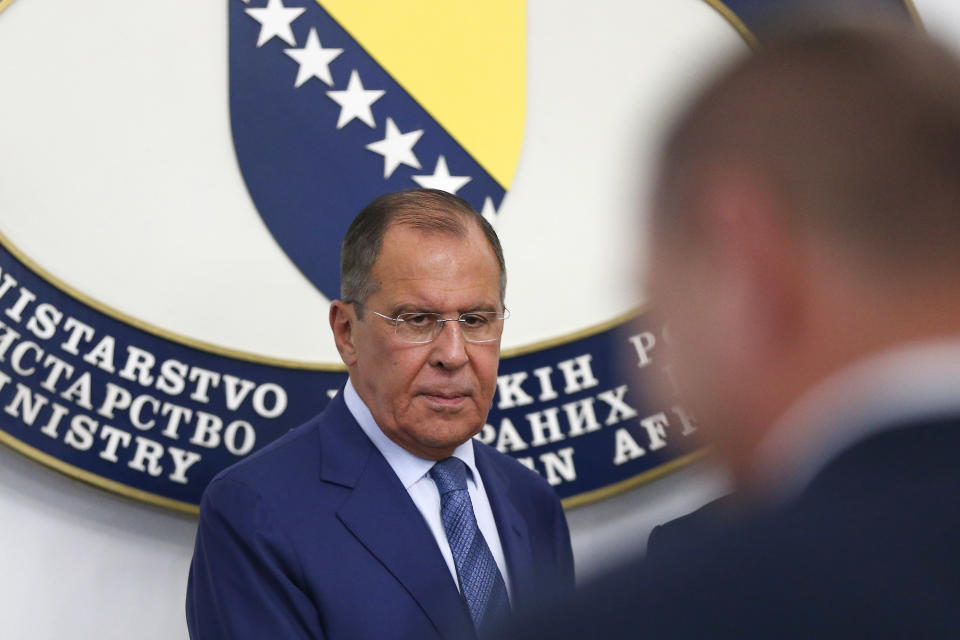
<point>871,549</point>
<point>690,532</point>
<point>315,537</point>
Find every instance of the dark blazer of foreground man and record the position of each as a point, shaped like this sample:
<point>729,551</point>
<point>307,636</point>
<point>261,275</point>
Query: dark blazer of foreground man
<point>340,529</point>
<point>807,258</point>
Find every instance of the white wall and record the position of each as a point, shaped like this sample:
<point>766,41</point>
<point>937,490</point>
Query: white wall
<point>77,562</point>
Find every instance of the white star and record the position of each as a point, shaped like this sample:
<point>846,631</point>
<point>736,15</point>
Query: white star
<point>275,20</point>
<point>441,178</point>
<point>355,101</point>
<point>396,148</point>
<point>489,211</point>
<point>314,60</point>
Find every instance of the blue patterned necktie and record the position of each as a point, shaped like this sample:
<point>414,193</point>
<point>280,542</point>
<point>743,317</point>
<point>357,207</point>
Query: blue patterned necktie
<point>480,580</point>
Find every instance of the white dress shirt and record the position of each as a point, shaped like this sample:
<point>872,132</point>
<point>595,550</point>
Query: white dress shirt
<point>414,474</point>
<point>914,382</point>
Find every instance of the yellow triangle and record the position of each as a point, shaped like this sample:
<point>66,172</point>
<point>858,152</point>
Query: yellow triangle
<point>464,62</point>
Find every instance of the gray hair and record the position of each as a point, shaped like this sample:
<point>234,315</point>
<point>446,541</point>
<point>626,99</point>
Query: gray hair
<point>427,210</point>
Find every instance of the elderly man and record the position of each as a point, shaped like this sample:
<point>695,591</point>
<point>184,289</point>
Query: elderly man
<point>382,517</point>
<point>807,257</point>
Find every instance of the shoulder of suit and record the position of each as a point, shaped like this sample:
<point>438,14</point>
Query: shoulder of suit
<point>277,463</point>
<point>688,530</point>
<point>513,469</point>
<point>709,514</point>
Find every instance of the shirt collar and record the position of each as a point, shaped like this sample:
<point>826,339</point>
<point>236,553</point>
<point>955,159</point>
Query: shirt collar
<point>408,467</point>
<point>912,382</point>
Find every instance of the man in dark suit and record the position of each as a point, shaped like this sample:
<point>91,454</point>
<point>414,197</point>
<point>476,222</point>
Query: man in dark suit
<point>806,255</point>
<point>383,517</point>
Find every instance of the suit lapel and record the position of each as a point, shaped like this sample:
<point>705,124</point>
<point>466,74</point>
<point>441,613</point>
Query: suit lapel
<point>383,518</point>
<point>512,526</point>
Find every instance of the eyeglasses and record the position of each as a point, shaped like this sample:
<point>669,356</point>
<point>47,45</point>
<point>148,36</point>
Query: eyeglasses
<point>420,327</point>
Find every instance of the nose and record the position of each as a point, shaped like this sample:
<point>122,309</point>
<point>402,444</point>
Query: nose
<point>449,348</point>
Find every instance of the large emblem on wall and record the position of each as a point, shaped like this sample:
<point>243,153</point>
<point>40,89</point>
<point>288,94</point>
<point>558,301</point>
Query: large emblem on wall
<point>175,182</point>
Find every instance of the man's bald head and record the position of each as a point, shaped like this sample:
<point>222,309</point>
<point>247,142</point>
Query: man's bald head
<point>856,129</point>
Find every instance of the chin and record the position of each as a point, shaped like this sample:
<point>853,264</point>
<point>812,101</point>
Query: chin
<point>443,434</point>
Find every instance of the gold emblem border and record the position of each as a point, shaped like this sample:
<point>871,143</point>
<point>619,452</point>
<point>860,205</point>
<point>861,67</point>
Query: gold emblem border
<point>186,507</point>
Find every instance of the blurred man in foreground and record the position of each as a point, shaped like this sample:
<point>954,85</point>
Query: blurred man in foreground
<point>806,254</point>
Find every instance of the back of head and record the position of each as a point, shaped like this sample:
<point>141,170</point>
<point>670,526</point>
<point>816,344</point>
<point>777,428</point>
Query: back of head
<point>808,216</point>
<point>857,127</point>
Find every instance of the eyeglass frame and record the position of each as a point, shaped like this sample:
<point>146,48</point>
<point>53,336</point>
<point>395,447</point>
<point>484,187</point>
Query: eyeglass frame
<point>440,321</point>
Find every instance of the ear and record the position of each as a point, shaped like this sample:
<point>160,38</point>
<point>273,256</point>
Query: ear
<point>342,320</point>
<point>759,261</point>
